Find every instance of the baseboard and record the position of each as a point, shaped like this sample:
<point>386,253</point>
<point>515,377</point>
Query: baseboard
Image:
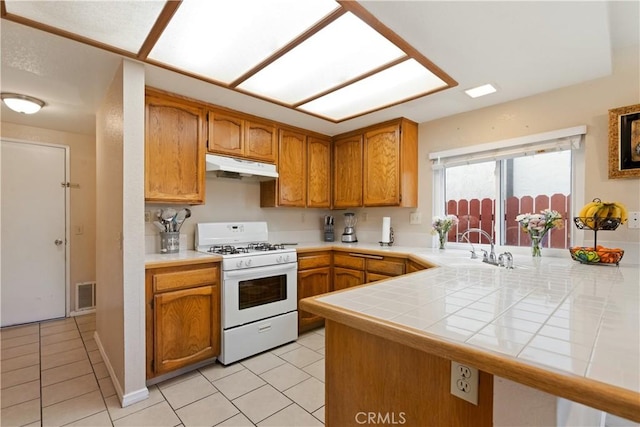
<point>125,399</point>
<point>82,312</point>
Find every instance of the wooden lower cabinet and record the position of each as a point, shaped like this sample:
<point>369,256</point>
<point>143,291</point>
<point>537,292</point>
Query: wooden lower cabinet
<point>311,283</point>
<point>354,268</point>
<point>314,278</point>
<point>344,278</point>
<point>394,383</point>
<point>413,266</point>
<point>183,316</point>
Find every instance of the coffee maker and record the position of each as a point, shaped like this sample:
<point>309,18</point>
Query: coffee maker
<point>349,234</point>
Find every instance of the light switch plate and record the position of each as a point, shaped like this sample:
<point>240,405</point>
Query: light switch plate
<point>415,218</point>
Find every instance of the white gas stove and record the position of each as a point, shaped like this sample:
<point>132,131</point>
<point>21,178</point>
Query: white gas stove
<point>259,287</point>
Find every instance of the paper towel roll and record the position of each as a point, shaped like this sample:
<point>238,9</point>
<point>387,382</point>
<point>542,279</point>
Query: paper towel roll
<point>386,229</point>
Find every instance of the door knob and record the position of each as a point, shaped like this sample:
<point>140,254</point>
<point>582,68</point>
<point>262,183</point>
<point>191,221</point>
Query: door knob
<point>58,242</point>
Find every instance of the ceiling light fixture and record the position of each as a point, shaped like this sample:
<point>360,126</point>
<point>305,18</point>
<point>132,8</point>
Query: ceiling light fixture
<point>22,103</point>
<point>480,91</point>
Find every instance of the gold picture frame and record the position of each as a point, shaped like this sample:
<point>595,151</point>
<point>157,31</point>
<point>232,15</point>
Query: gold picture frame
<point>624,142</point>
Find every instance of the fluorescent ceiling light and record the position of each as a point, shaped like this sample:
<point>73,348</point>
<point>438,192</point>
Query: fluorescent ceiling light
<point>480,91</point>
<point>22,103</point>
<point>222,40</point>
<point>122,24</point>
<point>344,50</point>
<point>331,59</point>
<point>407,80</point>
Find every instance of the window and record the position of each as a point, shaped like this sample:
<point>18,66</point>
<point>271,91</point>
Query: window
<point>486,186</point>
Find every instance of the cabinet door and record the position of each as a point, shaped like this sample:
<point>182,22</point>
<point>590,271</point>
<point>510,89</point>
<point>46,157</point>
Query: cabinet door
<point>311,283</point>
<point>345,278</point>
<point>226,134</point>
<point>292,169</point>
<point>374,277</point>
<point>347,172</point>
<point>174,151</point>
<point>187,327</point>
<point>319,173</point>
<point>413,266</point>
<point>260,141</point>
<point>382,166</point>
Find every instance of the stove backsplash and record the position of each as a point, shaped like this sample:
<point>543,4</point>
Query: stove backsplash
<point>236,200</point>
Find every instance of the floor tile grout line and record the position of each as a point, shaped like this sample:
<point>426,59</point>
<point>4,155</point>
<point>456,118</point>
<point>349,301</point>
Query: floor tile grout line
<point>40,372</point>
<point>93,371</point>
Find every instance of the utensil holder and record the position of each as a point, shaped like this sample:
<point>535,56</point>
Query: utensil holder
<point>169,242</point>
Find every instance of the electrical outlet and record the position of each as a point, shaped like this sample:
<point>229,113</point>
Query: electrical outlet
<point>634,220</point>
<point>464,382</point>
<point>415,218</point>
<point>365,216</point>
<point>147,216</point>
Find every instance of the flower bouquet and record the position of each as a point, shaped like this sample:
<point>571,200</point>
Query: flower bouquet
<point>537,226</point>
<point>441,226</point>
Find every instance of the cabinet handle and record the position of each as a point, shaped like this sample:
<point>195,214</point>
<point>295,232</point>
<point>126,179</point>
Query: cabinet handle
<point>366,256</point>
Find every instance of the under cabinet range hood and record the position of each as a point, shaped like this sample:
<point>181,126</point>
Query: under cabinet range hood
<point>229,167</point>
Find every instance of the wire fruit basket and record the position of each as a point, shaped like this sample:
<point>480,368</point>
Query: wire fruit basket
<point>596,254</point>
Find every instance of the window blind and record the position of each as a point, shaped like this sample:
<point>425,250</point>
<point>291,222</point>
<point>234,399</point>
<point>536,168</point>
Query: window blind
<point>563,139</point>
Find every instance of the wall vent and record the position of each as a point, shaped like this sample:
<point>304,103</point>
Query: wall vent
<point>85,296</point>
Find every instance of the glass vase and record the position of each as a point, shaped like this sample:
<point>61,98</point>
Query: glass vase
<point>442,238</point>
<point>535,246</point>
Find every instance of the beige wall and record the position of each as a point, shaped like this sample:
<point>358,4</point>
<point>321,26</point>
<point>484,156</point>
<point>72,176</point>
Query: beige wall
<point>120,318</point>
<point>109,221</point>
<point>82,153</point>
<point>584,104</point>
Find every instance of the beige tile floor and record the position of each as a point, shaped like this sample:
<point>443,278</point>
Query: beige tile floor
<point>52,374</point>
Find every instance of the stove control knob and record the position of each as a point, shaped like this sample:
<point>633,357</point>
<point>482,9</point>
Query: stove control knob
<point>248,262</point>
<point>279,259</point>
<point>286,258</point>
<point>239,263</point>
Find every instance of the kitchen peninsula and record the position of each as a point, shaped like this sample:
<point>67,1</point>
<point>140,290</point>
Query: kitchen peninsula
<point>568,329</point>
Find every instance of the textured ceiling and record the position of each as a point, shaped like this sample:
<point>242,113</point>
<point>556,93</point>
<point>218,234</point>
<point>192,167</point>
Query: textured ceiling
<point>523,48</point>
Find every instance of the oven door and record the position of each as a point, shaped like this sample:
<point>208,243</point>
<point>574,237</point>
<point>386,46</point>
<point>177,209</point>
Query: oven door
<point>257,293</point>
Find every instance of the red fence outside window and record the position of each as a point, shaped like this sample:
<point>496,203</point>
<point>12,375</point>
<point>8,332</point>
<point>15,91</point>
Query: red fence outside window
<point>480,213</point>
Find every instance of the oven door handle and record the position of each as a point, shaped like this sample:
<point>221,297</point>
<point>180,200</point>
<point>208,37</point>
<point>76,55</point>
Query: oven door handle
<point>259,272</point>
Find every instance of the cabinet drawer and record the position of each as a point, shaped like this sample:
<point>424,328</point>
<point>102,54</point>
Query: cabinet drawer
<point>374,277</point>
<point>386,266</point>
<point>185,279</point>
<point>314,260</point>
<point>348,261</point>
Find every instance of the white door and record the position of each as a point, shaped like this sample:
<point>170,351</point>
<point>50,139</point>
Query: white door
<point>33,232</point>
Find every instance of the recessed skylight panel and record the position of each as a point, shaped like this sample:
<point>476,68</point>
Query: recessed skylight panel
<point>222,40</point>
<point>406,80</point>
<point>344,50</point>
<point>95,20</point>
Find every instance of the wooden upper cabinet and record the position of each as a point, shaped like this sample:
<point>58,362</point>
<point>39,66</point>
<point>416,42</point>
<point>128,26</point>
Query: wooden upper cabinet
<point>239,136</point>
<point>377,166</point>
<point>319,172</point>
<point>382,166</point>
<point>260,141</point>
<point>226,134</point>
<point>347,172</point>
<point>292,169</point>
<point>174,150</point>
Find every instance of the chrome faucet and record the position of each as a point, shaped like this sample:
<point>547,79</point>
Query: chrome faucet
<point>490,257</point>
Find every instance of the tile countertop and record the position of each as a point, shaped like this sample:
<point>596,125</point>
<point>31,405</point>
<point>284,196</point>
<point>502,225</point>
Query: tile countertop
<point>179,258</point>
<point>577,322</point>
